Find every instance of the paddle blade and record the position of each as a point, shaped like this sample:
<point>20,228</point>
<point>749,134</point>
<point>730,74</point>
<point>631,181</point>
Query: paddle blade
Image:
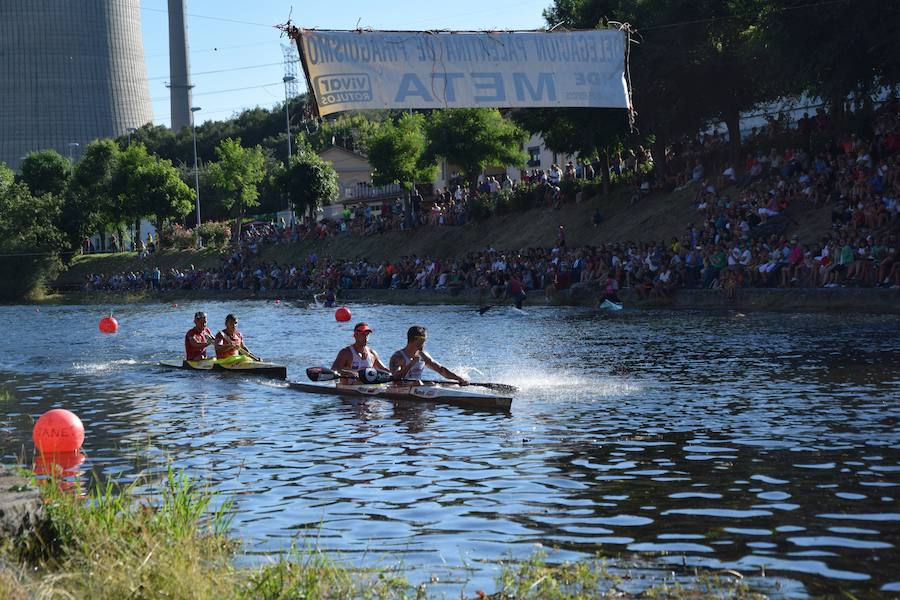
<point>484,309</point>
<point>321,374</point>
<point>371,375</point>
<point>503,388</point>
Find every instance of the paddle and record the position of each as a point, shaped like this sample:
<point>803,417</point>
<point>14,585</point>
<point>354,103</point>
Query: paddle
<point>364,375</point>
<point>376,376</point>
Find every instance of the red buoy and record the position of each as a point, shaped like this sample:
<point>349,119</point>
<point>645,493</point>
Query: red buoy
<point>109,325</point>
<point>58,430</point>
<point>342,314</point>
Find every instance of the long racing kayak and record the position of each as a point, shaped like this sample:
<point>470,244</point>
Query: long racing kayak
<point>263,369</point>
<point>457,395</point>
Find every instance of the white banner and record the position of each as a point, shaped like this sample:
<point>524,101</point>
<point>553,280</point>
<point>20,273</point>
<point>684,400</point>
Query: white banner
<point>359,70</point>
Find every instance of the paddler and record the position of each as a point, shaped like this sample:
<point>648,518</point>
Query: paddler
<point>359,355</point>
<point>230,346</point>
<point>198,338</point>
<point>408,363</point>
<point>516,290</point>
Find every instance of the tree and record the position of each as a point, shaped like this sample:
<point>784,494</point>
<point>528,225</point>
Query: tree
<point>838,51</point>
<point>148,186</point>
<point>396,151</point>
<point>45,172</point>
<point>474,139</point>
<point>694,62</point>
<point>7,177</point>
<point>30,242</point>
<point>90,203</point>
<point>587,132</point>
<point>347,130</point>
<point>309,182</point>
<point>238,174</point>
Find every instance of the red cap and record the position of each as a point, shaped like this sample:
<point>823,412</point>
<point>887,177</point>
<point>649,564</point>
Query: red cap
<point>360,327</point>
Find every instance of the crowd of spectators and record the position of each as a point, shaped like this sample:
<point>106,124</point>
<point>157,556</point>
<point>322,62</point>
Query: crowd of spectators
<point>735,237</point>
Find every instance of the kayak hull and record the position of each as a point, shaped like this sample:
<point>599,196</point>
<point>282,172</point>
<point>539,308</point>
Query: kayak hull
<point>456,396</point>
<point>261,369</point>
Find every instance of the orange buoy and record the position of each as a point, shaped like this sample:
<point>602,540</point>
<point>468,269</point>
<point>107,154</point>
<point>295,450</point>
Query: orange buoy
<point>58,430</point>
<point>342,314</point>
<point>109,325</point>
<point>174,305</point>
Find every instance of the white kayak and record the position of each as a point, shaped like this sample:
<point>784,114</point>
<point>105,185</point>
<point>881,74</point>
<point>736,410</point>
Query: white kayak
<point>463,396</point>
<point>610,305</point>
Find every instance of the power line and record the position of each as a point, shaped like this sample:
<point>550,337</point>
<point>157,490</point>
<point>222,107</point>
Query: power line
<point>245,68</point>
<point>221,19</point>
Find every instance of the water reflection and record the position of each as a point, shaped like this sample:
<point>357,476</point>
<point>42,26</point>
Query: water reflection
<point>763,443</point>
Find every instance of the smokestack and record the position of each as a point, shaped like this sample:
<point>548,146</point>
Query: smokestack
<point>179,70</point>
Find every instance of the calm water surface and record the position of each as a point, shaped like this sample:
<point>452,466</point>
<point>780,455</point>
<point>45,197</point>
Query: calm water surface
<point>764,441</point>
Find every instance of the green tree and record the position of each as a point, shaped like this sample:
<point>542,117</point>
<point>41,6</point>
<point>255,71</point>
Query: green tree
<point>45,172</point>
<point>238,174</point>
<point>30,242</point>
<point>474,139</point>
<point>396,152</point>
<point>149,187</point>
<point>347,130</point>
<point>7,176</point>
<point>695,62</point>
<point>90,203</point>
<point>837,51</point>
<point>588,132</point>
<point>309,182</point>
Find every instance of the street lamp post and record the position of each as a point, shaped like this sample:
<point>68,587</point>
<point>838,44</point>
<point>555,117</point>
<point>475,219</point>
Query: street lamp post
<point>129,131</point>
<point>70,146</point>
<point>194,109</point>
<point>287,115</point>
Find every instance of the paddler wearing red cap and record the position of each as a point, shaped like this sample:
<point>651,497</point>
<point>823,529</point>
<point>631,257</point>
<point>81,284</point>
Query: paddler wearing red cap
<point>358,355</point>
<point>409,362</point>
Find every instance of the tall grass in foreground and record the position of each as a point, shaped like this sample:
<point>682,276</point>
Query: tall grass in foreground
<point>115,544</point>
<point>112,544</point>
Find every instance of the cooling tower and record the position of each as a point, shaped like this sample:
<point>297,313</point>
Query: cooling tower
<point>71,71</point>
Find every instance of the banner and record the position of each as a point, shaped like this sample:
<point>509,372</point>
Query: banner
<point>364,70</point>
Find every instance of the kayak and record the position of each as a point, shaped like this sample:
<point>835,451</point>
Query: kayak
<point>456,395</point>
<point>610,305</point>
<point>262,369</point>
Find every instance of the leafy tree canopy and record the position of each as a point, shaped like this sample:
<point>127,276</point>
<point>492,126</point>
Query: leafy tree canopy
<point>474,139</point>
<point>395,152</point>
<point>45,172</point>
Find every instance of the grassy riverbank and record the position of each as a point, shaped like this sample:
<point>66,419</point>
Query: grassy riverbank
<point>657,218</point>
<point>112,545</point>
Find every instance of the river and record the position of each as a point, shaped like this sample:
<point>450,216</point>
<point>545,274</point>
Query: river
<point>759,442</point>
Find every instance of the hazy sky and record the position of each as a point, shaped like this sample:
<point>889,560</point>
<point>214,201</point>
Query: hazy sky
<point>236,56</point>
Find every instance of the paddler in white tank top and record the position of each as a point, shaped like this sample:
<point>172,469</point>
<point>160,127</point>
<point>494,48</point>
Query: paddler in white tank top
<point>409,362</point>
<point>357,356</point>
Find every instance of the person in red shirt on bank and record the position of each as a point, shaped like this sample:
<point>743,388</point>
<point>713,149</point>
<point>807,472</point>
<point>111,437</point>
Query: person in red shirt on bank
<point>198,338</point>
<point>230,346</point>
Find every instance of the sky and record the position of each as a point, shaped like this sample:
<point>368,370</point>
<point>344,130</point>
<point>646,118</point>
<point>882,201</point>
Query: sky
<point>236,57</point>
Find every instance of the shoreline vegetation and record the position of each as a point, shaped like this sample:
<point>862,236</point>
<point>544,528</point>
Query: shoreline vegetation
<point>112,542</point>
<point>659,217</point>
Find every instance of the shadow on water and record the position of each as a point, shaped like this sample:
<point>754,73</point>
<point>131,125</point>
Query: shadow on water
<point>760,442</point>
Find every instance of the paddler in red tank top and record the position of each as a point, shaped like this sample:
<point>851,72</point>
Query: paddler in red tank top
<point>230,346</point>
<point>197,338</point>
